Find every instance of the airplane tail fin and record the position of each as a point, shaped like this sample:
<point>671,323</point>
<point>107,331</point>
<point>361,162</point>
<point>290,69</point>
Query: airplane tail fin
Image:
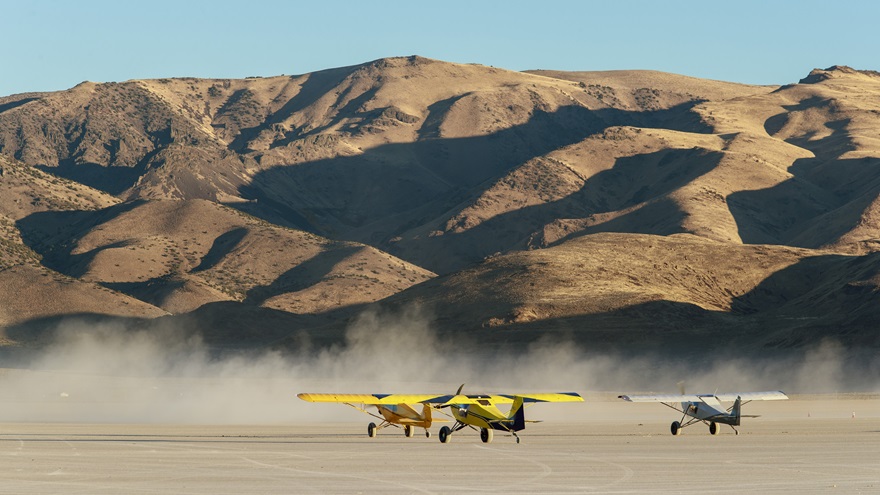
<point>426,414</point>
<point>736,411</point>
<point>517,414</point>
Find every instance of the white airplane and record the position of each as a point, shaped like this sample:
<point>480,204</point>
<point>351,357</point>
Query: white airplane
<point>706,408</point>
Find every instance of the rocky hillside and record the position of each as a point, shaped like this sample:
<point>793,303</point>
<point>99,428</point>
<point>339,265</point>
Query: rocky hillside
<point>647,294</point>
<point>325,193</point>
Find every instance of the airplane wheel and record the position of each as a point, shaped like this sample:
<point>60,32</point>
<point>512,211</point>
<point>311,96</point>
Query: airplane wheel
<point>485,435</point>
<point>427,434</point>
<point>444,434</point>
<point>713,428</point>
<point>408,431</point>
<point>371,430</point>
<point>675,428</point>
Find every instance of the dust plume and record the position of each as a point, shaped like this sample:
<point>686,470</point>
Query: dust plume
<point>109,373</point>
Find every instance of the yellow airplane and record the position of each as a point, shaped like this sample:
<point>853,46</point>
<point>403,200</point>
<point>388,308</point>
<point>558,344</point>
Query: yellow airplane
<point>474,411</point>
<point>398,410</point>
<point>481,411</point>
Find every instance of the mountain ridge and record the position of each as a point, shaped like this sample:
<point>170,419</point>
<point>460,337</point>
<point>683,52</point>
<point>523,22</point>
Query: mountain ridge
<point>398,170</point>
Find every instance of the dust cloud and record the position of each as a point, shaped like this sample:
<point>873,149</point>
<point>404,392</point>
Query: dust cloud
<point>109,373</point>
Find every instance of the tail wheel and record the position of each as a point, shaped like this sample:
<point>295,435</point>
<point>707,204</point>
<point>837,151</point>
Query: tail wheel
<point>713,428</point>
<point>408,431</point>
<point>485,435</point>
<point>427,434</point>
<point>675,428</point>
<point>445,434</point>
<point>371,430</point>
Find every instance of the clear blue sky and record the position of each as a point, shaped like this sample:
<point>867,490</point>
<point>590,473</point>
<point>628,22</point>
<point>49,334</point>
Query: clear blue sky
<point>55,44</point>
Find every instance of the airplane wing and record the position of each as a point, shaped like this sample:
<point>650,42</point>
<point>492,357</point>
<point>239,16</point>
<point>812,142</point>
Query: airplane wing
<point>507,398</point>
<point>660,398</point>
<point>549,397</point>
<point>438,399</point>
<point>368,398</point>
<point>750,396</point>
<point>727,397</point>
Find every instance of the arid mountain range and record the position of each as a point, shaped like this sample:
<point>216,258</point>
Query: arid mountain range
<point>622,209</point>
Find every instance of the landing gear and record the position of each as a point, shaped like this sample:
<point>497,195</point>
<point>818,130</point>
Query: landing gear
<point>445,433</point>
<point>371,430</point>
<point>714,428</point>
<point>486,435</point>
<point>408,431</point>
<point>427,434</point>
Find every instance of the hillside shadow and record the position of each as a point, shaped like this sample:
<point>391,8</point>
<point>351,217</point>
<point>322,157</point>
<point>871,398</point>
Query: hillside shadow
<point>302,276</point>
<point>220,248</point>
<point>236,326</point>
<point>112,179</point>
<point>811,285</point>
<point>263,206</point>
<point>659,216</point>
<point>657,175</point>
<point>766,216</point>
<point>430,128</point>
<point>654,332</point>
<point>44,331</point>
<point>666,328</point>
<point>785,313</point>
<point>17,103</point>
<point>826,296</point>
<point>352,108</point>
<point>777,122</point>
<point>819,298</point>
<point>619,188</point>
<point>313,89</point>
<point>222,327</point>
<point>394,187</point>
<point>76,265</point>
<point>154,291</point>
<point>776,215</point>
<point>55,234</point>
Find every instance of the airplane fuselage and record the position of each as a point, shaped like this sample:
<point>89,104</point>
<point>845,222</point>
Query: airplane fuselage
<point>481,412</point>
<point>710,409</point>
<point>404,414</point>
<point>479,415</point>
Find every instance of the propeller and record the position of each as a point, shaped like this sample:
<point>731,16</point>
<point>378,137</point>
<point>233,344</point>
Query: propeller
<point>680,387</point>
<point>450,402</point>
